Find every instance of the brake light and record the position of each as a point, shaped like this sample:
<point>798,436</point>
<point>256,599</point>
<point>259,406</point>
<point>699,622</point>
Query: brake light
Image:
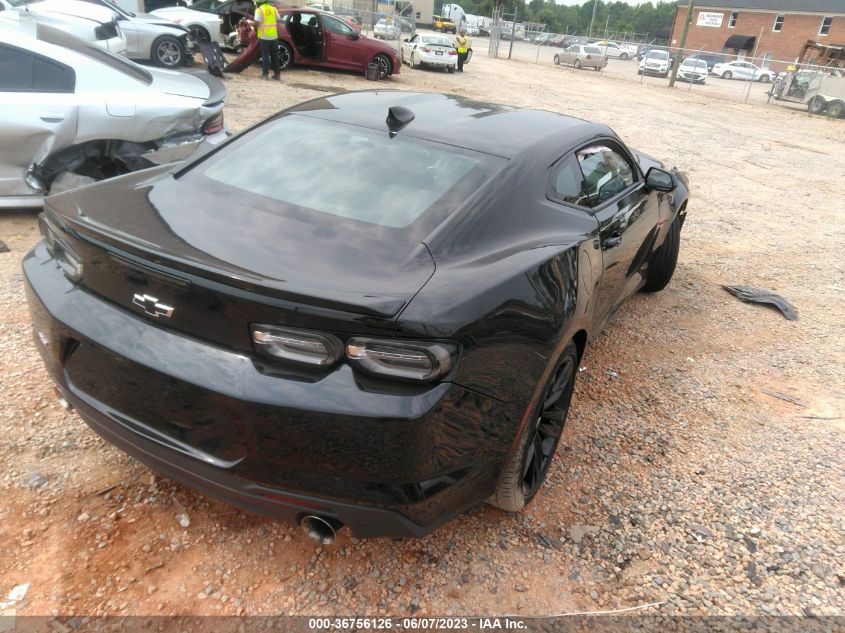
<point>214,124</point>
<point>66,259</point>
<point>426,49</point>
<point>409,360</point>
<point>453,52</point>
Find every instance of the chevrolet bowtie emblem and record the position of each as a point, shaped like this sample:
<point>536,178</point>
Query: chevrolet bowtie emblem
<point>151,306</point>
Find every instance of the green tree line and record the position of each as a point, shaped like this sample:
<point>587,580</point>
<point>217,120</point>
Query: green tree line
<point>618,16</point>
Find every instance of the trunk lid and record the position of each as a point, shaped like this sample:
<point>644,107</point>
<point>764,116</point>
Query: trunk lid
<point>138,235</point>
<point>177,83</point>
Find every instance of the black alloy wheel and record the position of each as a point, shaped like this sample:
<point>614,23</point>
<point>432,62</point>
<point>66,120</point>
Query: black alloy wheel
<point>285,56</point>
<point>383,66</point>
<point>525,468</point>
<point>547,430</point>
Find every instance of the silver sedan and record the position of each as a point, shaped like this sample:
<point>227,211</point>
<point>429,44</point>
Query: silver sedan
<point>73,113</point>
<point>582,56</point>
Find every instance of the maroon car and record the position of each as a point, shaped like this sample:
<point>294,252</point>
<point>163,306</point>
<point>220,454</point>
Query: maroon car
<point>314,38</point>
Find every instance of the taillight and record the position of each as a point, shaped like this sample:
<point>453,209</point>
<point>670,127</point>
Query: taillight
<point>214,124</point>
<point>310,348</point>
<point>420,361</point>
<point>66,258</point>
<point>453,52</point>
<point>410,360</point>
<point>425,49</point>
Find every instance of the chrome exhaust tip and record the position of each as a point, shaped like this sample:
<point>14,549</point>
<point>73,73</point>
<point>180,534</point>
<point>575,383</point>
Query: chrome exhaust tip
<point>321,529</point>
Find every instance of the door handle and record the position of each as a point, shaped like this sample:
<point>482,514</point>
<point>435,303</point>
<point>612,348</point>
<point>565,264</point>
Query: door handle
<point>51,117</point>
<point>612,242</point>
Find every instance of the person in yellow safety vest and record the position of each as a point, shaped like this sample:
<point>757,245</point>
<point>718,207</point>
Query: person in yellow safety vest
<point>462,43</point>
<point>267,28</point>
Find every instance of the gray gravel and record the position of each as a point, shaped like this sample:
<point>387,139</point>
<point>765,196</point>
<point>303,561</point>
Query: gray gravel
<point>678,480</point>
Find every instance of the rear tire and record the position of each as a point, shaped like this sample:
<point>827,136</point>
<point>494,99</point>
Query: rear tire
<point>450,69</point>
<point>624,57</point>
<point>727,74</point>
<point>836,109</point>
<point>285,55</point>
<point>411,62</point>
<point>167,51</point>
<point>764,79</point>
<point>557,60</point>
<point>577,63</point>
<point>816,105</point>
<point>662,264</point>
<point>526,467</point>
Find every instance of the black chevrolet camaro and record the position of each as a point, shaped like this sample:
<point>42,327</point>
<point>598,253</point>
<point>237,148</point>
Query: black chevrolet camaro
<point>367,310</point>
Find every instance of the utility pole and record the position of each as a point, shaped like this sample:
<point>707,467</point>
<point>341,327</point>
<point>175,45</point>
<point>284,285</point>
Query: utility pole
<point>513,29</point>
<point>682,45</point>
<point>592,19</point>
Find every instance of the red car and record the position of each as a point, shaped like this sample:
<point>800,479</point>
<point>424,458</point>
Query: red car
<point>314,38</point>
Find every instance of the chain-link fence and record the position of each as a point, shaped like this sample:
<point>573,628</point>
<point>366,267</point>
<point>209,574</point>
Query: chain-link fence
<point>392,23</point>
<point>737,76</point>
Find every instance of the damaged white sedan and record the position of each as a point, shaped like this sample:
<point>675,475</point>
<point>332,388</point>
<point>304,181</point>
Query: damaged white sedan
<point>72,113</point>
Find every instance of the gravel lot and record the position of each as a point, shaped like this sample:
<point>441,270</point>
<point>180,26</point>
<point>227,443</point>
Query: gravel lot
<point>679,479</point>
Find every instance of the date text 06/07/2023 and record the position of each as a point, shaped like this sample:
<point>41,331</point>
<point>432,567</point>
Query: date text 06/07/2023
<point>410,624</point>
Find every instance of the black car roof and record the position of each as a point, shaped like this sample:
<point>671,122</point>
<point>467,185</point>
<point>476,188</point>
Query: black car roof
<point>454,120</point>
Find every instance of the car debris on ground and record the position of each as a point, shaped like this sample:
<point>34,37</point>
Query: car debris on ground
<point>750,294</point>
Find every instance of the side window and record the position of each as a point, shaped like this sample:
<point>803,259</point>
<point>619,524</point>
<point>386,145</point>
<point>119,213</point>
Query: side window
<point>606,173</point>
<point>15,70</point>
<point>568,182</point>
<point>336,26</point>
<point>48,76</point>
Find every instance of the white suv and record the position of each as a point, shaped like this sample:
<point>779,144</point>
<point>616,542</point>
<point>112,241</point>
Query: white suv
<point>655,63</point>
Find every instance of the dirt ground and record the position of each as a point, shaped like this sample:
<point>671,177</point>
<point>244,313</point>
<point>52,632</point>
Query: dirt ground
<point>680,480</point>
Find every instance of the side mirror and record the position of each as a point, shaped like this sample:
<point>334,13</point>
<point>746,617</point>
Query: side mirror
<point>355,36</point>
<point>405,40</point>
<point>659,180</point>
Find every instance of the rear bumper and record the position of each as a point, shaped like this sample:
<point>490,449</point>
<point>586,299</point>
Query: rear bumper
<point>443,61</point>
<point>397,464</point>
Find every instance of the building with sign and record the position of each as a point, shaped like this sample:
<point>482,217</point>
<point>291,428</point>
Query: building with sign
<point>771,30</point>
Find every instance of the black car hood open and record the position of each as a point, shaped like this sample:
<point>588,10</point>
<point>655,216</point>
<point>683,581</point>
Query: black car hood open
<point>324,263</point>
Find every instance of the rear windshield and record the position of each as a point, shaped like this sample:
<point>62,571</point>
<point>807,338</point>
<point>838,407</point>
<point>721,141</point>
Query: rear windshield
<point>120,64</point>
<point>344,170</point>
<point>434,39</point>
<point>595,50</point>
<point>658,55</point>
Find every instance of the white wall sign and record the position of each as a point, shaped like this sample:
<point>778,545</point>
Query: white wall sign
<point>710,19</point>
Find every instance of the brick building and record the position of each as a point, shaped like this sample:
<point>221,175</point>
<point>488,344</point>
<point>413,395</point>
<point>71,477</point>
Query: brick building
<point>772,31</point>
